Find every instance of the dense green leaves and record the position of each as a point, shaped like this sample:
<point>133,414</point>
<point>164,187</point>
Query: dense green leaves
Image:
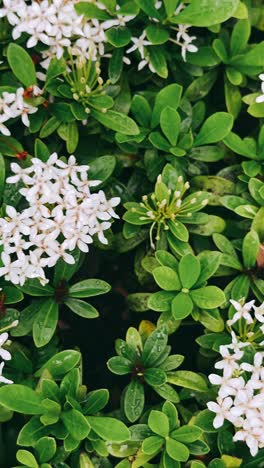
<point>161,203</point>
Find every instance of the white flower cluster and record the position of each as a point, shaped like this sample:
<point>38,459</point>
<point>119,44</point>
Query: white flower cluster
<point>57,25</point>
<point>13,105</point>
<point>62,214</point>
<point>260,98</point>
<point>241,386</point>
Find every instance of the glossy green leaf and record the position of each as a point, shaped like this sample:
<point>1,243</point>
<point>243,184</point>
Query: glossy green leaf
<point>21,64</point>
<point>45,322</point>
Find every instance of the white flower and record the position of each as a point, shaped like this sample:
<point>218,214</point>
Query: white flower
<point>187,46</point>
<point>261,97</point>
<point>236,345</point>
<point>259,312</point>
<point>242,311</point>
<point>228,385</point>
<point>4,354</point>
<point>139,44</point>
<point>251,436</point>
<point>144,62</point>
<point>257,369</point>
<point>222,410</point>
<point>229,363</point>
<point>2,378</point>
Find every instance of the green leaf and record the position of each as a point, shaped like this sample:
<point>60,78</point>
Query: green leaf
<point>220,50</point>
<point>91,11</point>
<point>49,127</point>
<point>160,301</point>
<point>177,450</point>
<point>12,295</point>
<point>119,365</point>
<point>45,322</point>
<point>167,392</point>
<point>232,98</point>
<point>170,122</point>
<point>134,400</point>
<point>189,270</point>
<point>21,64</point>
<point>154,377</point>
<point>141,110</point>
<point>250,249</point>
<point>89,288</point>
<point>157,34</point>
<point>239,146</point>
<point>209,262</point>
<point>187,379</point>
<point>116,121</point>
<point>109,429</point>
<point>204,13</point>
<point>45,449</point>
<point>214,129</point>
<point>82,308</point>
<point>27,459</point>
<point>166,278</point>
<point>181,306</point>
<point>34,288</point>
<point>158,61</point>
<point>208,297</point>
<point>118,36</point>
<point>152,445</point>
<point>201,86</point>
<point>170,6</point>
<point>154,346</point>
<point>240,36</point>
<point>95,401</point>
<point>178,230</point>
<point>21,399</point>
<point>102,168</point>
<point>61,363</point>
<point>172,362</point>
<point>116,65</point>
<point>187,433</point>
<point>168,96</point>
<point>159,423</point>
<point>212,320</point>
<point>32,432</point>
<point>77,425</point>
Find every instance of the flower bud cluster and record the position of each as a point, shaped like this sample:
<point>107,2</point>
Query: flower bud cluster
<point>61,214</point>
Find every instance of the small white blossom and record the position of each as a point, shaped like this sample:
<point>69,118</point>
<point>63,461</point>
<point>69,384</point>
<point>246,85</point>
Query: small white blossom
<point>2,378</point>
<point>242,311</point>
<point>139,44</point>
<point>260,98</point>
<point>259,313</point>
